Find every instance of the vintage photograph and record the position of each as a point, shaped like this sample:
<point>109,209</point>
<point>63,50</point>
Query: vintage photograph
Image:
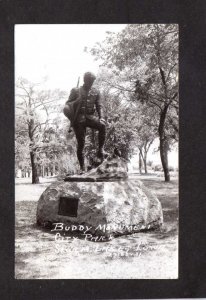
<point>96,151</point>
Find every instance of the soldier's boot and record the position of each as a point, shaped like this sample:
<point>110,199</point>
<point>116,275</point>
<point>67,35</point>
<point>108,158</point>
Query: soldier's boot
<point>82,170</point>
<point>81,162</point>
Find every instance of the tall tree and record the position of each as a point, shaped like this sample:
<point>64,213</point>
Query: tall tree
<point>145,131</point>
<point>145,59</point>
<point>35,111</point>
<point>22,161</point>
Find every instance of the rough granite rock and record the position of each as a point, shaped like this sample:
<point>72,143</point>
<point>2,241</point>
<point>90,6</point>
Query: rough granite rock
<point>109,207</point>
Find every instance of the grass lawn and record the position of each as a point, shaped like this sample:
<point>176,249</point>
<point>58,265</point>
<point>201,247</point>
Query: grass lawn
<point>151,255</point>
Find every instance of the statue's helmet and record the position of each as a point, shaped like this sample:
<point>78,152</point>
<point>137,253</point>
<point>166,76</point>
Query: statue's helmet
<point>89,76</point>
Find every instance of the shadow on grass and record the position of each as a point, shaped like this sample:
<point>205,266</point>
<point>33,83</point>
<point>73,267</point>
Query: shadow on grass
<point>29,183</point>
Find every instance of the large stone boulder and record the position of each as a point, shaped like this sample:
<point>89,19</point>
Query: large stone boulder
<point>105,205</point>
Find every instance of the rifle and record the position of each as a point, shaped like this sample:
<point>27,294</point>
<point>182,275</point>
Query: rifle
<point>78,82</point>
<point>78,101</point>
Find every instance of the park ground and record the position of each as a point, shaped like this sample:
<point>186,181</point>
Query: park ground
<point>148,255</point>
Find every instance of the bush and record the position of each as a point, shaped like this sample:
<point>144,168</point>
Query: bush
<point>171,169</point>
<point>149,163</point>
<point>158,168</point>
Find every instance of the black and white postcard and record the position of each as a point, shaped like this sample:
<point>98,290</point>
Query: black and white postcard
<point>96,151</point>
<point>102,149</point>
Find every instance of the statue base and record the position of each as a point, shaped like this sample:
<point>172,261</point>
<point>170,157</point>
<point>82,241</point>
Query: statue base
<point>102,202</point>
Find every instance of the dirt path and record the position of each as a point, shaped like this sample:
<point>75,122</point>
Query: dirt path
<point>150,255</point>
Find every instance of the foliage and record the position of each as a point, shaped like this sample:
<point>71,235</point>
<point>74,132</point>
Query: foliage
<point>40,133</point>
<point>143,64</point>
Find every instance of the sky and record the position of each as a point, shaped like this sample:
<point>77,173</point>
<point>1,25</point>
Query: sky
<point>56,52</point>
<point>54,56</point>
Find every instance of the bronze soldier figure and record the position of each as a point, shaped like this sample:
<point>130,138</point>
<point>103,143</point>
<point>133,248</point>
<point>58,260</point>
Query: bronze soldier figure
<point>80,109</point>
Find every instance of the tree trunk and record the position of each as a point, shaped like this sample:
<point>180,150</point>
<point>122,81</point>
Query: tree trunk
<point>163,144</point>
<point>140,164</point>
<point>43,171</point>
<point>143,157</point>
<point>54,169</point>
<point>34,167</point>
<point>145,164</point>
<point>164,158</point>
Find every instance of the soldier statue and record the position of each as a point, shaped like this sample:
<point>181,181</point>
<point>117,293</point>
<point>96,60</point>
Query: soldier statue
<point>80,110</point>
